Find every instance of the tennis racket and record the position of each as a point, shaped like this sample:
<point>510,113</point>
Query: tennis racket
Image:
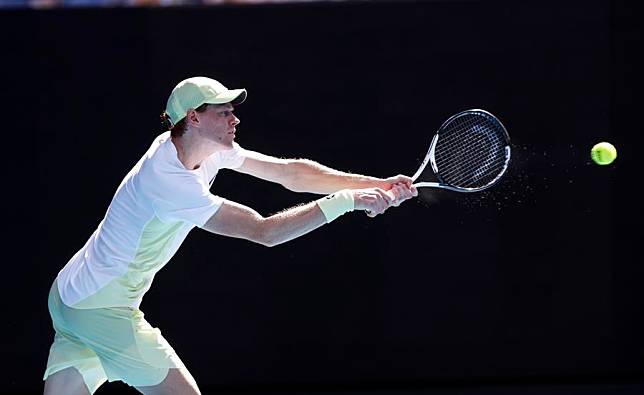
<point>470,152</point>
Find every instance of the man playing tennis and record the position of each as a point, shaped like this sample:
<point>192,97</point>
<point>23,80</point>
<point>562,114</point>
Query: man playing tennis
<point>94,302</point>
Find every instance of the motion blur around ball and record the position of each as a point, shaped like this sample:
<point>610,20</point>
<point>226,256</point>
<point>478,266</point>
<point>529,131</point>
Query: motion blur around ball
<point>603,153</point>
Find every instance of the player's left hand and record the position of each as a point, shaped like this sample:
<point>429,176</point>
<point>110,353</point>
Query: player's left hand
<point>389,183</point>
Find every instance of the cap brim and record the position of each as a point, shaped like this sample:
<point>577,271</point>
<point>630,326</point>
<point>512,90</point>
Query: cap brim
<point>234,96</point>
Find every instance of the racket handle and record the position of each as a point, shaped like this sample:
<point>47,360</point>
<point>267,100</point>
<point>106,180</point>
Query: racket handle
<point>426,184</point>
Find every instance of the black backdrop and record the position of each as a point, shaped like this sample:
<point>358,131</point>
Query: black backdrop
<point>534,281</point>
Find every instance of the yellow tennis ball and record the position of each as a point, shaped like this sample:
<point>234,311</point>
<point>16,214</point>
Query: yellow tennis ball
<point>603,153</point>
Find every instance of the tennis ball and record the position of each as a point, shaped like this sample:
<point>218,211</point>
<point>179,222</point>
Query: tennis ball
<point>603,153</point>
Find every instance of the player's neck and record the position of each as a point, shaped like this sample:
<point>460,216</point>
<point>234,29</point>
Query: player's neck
<point>192,152</point>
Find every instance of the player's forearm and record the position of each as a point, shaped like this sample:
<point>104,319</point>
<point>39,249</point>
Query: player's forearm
<point>290,224</point>
<point>236,220</point>
<point>310,176</point>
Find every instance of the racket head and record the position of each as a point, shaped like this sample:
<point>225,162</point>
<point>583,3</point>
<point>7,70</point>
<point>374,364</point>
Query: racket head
<point>470,151</point>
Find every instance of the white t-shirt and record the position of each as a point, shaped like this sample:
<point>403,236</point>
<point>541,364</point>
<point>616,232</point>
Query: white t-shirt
<point>154,208</point>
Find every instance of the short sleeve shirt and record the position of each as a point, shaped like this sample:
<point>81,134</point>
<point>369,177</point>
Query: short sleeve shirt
<point>158,202</point>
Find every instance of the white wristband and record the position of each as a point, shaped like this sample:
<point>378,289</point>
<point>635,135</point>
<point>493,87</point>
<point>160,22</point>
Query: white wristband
<point>336,204</point>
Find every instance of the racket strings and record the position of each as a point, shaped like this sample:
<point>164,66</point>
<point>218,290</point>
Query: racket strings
<point>468,159</point>
<point>458,175</point>
<point>465,144</point>
<point>473,175</point>
<point>471,170</point>
<point>477,178</point>
<point>470,152</point>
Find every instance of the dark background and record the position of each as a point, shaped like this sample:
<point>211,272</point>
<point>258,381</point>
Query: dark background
<point>534,284</point>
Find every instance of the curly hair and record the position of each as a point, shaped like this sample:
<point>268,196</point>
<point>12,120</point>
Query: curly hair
<point>178,129</point>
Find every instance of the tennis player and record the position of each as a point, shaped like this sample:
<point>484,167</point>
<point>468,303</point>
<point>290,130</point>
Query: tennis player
<point>100,333</point>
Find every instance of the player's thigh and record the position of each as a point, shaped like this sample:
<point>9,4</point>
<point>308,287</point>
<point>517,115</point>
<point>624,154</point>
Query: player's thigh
<point>178,381</point>
<point>66,381</point>
<point>128,347</point>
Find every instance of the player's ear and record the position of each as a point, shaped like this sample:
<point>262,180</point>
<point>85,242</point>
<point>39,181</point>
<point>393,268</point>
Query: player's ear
<point>191,117</point>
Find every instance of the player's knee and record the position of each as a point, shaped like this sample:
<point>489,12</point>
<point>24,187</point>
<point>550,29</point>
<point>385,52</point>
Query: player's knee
<point>178,381</point>
<point>66,381</point>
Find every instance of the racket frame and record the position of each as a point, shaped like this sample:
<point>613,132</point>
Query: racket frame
<point>431,159</point>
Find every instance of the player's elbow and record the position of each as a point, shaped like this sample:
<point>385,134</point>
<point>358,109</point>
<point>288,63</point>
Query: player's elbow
<point>269,240</point>
<point>297,174</point>
<point>266,235</point>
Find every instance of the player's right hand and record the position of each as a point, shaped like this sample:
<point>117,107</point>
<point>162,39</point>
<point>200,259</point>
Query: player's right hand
<point>401,192</point>
<point>372,200</point>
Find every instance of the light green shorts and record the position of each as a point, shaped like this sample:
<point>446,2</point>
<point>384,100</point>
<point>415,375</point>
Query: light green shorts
<point>108,344</point>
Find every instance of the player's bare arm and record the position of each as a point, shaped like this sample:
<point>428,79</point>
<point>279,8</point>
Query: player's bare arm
<point>236,220</point>
<point>303,175</point>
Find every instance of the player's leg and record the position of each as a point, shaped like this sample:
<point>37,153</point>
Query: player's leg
<point>67,381</point>
<point>72,367</point>
<point>178,381</point>
<point>125,347</point>
<point>131,350</point>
